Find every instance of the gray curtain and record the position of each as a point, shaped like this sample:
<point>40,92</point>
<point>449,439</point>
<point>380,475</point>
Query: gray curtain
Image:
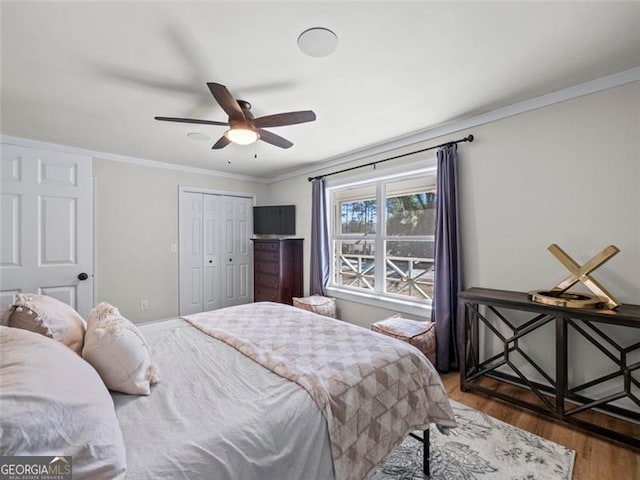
<point>448,279</point>
<point>319,239</point>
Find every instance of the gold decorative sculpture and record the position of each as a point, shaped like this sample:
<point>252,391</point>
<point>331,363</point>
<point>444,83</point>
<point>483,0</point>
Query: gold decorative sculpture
<point>559,296</point>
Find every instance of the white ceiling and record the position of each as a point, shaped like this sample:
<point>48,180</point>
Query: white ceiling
<point>94,74</point>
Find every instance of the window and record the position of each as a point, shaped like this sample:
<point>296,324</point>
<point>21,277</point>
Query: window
<point>382,237</point>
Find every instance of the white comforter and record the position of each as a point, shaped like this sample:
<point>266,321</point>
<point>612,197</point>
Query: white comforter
<point>372,389</point>
<point>204,421</point>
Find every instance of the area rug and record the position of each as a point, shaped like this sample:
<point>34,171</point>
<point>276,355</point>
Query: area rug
<point>481,448</point>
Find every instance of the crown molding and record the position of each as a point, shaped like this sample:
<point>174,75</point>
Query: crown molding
<point>56,147</point>
<point>594,86</point>
<point>569,93</point>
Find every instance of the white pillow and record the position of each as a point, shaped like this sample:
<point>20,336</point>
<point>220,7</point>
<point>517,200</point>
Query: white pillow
<point>50,317</point>
<point>53,403</point>
<point>119,353</point>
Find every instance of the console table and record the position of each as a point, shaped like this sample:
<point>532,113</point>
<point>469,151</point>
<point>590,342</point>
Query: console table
<point>506,372</point>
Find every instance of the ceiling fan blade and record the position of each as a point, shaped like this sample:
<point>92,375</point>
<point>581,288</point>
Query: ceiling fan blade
<point>282,119</point>
<point>190,120</point>
<point>273,139</point>
<point>221,143</point>
<point>226,101</point>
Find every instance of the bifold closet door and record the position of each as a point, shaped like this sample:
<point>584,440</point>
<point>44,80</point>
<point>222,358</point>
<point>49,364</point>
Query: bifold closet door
<point>215,256</point>
<point>237,213</point>
<point>199,238</point>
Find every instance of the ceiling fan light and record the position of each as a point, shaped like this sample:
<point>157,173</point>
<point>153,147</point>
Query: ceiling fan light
<point>241,136</point>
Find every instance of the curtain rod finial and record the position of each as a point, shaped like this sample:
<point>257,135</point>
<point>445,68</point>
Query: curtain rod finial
<point>469,138</point>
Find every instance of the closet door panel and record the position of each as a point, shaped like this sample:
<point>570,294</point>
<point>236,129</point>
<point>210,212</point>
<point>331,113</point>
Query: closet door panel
<point>191,253</point>
<point>237,221</point>
<point>211,219</point>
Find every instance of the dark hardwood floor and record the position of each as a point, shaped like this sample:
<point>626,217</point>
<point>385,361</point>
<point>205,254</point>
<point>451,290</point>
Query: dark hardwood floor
<point>596,458</point>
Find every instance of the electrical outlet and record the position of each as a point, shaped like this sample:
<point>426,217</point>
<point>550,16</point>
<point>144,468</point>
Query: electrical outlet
<point>144,305</point>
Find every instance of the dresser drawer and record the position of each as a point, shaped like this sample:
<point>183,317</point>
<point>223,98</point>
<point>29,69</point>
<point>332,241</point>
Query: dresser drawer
<point>266,246</point>
<point>272,268</point>
<point>268,255</point>
<point>264,294</point>
<point>263,280</point>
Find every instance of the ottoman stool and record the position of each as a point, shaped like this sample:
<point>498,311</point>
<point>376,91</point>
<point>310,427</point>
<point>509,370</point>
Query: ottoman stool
<point>318,304</point>
<point>421,335</point>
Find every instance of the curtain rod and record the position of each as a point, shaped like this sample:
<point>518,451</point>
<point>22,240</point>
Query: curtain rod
<point>468,138</point>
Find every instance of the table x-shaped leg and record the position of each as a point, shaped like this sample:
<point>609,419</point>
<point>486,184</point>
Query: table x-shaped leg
<point>581,273</point>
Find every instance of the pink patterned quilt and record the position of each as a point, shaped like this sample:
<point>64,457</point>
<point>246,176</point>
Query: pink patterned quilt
<point>372,389</point>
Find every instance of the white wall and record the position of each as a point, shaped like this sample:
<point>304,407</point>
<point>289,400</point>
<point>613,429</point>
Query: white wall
<point>566,174</point>
<point>136,215</point>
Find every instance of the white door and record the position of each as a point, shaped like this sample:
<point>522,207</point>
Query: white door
<point>190,238</point>
<point>199,237</point>
<point>237,229</point>
<point>211,280</point>
<point>46,243</point>
<point>215,259</point>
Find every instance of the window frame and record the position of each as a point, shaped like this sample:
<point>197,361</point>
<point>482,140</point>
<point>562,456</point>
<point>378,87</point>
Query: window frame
<point>377,297</point>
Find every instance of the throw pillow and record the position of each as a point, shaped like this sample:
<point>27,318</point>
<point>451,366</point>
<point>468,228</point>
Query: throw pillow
<point>118,352</point>
<point>50,317</point>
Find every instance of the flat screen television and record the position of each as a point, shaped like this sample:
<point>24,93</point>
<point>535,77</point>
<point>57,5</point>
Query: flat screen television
<point>274,220</point>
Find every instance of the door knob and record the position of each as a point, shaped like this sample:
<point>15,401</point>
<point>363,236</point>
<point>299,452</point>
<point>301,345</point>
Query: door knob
<point>82,276</point>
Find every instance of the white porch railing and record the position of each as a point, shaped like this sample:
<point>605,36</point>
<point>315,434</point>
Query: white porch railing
<point>410,276</point>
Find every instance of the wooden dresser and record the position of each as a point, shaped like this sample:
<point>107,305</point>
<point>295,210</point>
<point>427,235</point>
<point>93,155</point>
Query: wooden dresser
<point>277,270</point>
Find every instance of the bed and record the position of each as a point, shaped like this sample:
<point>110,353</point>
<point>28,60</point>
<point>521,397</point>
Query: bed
<point>268,391</point>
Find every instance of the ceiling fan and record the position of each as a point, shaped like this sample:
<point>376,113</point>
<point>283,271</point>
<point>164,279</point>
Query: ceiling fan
<point>244,129</point>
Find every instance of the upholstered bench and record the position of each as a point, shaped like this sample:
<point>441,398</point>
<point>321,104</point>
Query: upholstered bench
<point>318,304</point>
<point>421,335</point>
